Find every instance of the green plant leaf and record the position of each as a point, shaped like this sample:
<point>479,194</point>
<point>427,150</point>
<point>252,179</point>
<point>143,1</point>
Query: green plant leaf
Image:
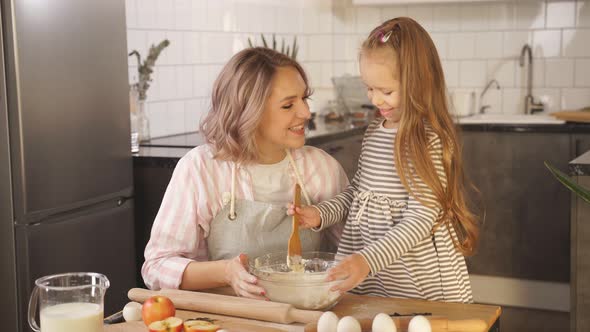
<point>264,41</point>
<point>274,42</point>
<point>582,192</point>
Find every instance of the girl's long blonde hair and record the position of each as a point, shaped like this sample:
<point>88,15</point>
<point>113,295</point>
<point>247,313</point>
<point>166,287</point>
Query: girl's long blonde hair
<point>423,101</point>
<point>238,100</point>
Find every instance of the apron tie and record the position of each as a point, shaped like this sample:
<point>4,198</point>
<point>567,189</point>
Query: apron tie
<point>232,205</point>
<point>364,196</point>
<point>384,202</point>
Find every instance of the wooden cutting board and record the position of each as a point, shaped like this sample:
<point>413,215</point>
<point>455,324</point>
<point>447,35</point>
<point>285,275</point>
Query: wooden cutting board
<point>232,324</point>
<point>446,317</point>
<point>457,317</point>
<point>437,324</point>
<point>573,116</point>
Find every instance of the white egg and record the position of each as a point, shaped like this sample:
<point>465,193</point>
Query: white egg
<point>328,322</point>
<point>132,311</point>
<point>383,323</point>
<point>419,324</point>
<point>348,324</point>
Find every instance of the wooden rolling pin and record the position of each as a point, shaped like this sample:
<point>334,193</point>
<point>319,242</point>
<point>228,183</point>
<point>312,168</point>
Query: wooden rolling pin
<point>230,305</point>
<point>437,323</point>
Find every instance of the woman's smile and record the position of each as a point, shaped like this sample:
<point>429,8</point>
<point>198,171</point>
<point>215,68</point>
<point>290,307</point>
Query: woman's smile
<point>298,130</point>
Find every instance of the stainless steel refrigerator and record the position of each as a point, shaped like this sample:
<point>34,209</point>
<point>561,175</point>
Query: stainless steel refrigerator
<point>65,163</point>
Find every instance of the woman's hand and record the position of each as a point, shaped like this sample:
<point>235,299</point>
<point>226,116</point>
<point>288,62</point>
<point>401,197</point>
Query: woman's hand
<point>309,216</point>
<point>353,269</point>
<point>242,282</point>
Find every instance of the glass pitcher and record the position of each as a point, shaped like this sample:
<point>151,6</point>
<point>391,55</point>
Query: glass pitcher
<point>69,302</point>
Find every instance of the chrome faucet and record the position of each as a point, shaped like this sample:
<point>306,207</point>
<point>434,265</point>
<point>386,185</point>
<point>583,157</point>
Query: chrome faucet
<point>483,108</point>
<point>530,106</point>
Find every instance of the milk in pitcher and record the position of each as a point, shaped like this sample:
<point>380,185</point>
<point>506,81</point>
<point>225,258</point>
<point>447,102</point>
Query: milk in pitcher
<point>72,317</point>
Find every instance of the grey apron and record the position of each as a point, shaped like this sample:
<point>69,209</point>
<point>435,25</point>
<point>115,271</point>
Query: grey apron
<point>256,228</point>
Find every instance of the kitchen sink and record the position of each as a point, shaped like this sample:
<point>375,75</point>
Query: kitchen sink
<point>511,119</point>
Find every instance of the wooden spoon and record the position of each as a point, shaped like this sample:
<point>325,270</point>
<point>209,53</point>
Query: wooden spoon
<point>294,249</point>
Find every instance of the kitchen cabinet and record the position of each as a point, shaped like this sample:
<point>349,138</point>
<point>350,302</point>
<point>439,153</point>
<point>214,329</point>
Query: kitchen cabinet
<point>346,151</point>
<point>580,144</point>
<point>150,180</point>
<point>524,211</point>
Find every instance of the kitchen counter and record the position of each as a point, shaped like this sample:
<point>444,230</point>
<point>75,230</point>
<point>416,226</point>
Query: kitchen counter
<point>318,133</point>
<point>466,317</point>
<point>157,150</point>
<point>568,127</point>
<point>581,165</point>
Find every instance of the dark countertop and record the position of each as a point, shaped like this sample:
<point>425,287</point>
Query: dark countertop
<point>166,151</point>
<point>581,165</point>
<point>568,127</point>
<point>322,133</point>
<point>173,147</point>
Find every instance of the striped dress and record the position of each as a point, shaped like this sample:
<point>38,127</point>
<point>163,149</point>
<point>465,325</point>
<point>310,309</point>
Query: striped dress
<point>391,229</point>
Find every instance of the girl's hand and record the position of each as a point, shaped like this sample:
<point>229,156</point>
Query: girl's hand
<point>352,270</point>
<point>309,216</point>
<point>242,282</point>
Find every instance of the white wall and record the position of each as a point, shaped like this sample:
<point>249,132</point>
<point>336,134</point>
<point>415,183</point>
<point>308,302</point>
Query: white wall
<point>476,42</point>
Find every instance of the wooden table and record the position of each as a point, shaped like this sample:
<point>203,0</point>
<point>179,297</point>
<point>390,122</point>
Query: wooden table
<point>350,304</point>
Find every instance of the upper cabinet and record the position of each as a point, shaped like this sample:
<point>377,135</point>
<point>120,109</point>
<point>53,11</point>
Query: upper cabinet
<point>400,2</point>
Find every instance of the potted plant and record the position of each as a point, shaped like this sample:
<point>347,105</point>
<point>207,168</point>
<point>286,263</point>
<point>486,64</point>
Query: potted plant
<point>290,51</point>
<point>569,183</point>
<point>141,87</point>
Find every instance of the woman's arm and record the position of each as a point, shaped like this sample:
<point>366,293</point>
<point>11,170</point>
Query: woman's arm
<point>176,255</point>
<point>203,275</point>
<point>176,238</point>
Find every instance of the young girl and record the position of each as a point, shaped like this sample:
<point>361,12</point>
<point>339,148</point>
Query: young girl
<point>407,220</point>
<point>226,198</point>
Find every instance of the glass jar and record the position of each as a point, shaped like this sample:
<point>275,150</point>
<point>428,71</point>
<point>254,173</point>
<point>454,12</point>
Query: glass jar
<point>143,122</point>
<point>133,101</point>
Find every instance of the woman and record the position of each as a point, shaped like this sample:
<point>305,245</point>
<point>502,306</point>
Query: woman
<point>226,199</point>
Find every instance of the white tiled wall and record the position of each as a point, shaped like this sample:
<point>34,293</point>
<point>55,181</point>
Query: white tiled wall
<point>476,42</point>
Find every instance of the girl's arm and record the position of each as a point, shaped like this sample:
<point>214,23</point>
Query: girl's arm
<point>336,209</point>
<point>416,224</point>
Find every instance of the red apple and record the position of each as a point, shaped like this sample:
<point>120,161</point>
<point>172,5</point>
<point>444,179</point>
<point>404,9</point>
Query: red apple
<point>157,308</point>
<point>170,324</point>
<point>193,325</point>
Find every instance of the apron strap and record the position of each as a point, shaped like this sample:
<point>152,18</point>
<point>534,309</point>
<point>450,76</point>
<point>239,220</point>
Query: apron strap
<point>298,176</point>
<point>232,204</point>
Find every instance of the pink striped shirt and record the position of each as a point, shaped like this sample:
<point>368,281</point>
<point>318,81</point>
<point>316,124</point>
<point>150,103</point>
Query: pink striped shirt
<point>195,195</point>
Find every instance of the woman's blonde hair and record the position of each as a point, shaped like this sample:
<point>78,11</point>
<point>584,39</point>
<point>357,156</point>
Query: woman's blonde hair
<point>238,100</point>
<point>423,101</point>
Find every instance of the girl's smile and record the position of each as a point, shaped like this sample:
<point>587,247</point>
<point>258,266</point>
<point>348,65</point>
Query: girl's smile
<point>386,112</point>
